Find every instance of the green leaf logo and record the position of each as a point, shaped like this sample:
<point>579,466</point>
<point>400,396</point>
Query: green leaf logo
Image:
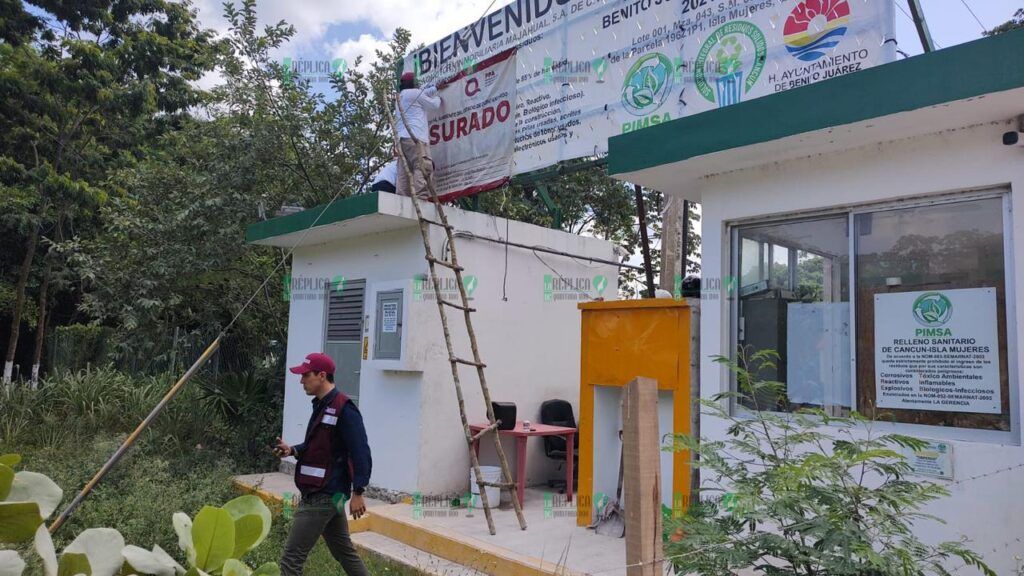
<point>599,65</point>
<point>647,84</point>
<point>286,295</point>
<point>932,309</point>
<point>339,283</point>
<point>469,283</point>
<point>600,283</point>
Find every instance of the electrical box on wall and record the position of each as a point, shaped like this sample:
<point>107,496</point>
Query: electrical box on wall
<point>387,337</point>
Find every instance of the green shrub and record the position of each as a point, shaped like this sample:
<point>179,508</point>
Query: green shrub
<point>214,541</point>
<point>236,415</point>
<point>805,494</point>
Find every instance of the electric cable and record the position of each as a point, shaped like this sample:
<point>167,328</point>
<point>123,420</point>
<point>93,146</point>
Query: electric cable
<point>976,19</point>
<point>911,18</point>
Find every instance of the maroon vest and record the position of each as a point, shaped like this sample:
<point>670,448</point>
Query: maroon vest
<point>316,463</point>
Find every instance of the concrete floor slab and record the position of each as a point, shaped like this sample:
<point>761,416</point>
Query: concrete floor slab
<point>551,535</point>
<point>439,529</point>
<point>423,562</point>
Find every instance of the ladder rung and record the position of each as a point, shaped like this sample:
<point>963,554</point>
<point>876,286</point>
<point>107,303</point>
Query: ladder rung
<point>459,306</point>
<point>480,434</point>
<point>445,263</point>
<point>429,221</point>
<point>499,484</point>
<point>467,362</point>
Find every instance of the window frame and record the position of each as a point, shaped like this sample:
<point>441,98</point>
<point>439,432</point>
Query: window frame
<point>733,245</point>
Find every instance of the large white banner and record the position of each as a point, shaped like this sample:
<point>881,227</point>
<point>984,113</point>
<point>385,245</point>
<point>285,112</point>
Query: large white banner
<point>591,69</point>
<point>938,351</point>
<point>472,133</point>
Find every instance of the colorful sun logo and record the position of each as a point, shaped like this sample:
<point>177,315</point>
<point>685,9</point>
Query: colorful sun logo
<point>815,26</point>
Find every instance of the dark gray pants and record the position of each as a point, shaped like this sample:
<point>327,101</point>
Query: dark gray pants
<point>318,516</point>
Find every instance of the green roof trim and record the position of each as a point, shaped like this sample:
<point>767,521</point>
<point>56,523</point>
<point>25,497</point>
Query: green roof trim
<point>338,211</point>
<point>969,70</point>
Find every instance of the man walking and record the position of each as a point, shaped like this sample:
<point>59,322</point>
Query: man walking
<point>411,116</point>
<point>333,466</point>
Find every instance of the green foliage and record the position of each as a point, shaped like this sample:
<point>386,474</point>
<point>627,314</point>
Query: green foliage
<point>1015,23</point>
<point>83,97</point>
<point>805,494</point>
<point>214,543</point>
<point>591,203</point>
<point>67,430</point>
<point>106,402</point>
<point>77,346</point>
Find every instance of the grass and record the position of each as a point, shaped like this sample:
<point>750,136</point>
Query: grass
<point>72,425</point>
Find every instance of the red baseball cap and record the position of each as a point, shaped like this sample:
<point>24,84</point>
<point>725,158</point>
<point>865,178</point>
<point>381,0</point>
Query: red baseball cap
<point>315,362</point>
<point>408,77</point>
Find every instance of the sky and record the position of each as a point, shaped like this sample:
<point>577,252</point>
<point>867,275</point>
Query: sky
<point>330,29</point>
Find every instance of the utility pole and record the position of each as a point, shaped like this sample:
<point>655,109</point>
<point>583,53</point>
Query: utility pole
<point>670,245</point>
<point>644,244</point>
<point>922,26</point>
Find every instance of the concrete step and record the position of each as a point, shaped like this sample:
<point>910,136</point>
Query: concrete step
<point>422,562</point>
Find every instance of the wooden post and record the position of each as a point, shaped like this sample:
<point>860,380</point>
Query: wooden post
<point>642,482</point>
<point>695,406</point>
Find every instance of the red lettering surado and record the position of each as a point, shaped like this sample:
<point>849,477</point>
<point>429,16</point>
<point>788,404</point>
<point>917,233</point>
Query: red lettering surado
<point>466,125</point>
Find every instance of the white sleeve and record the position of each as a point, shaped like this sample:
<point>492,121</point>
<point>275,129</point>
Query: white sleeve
<point>429,98</point>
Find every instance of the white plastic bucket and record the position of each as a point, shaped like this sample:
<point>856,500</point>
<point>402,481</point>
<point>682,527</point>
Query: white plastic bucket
<point>490,474</point>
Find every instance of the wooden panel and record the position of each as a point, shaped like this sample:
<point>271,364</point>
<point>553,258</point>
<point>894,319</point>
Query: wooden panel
<point>642,485</point>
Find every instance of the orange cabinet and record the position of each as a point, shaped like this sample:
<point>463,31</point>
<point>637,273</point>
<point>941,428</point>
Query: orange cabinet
<point>620,341</point>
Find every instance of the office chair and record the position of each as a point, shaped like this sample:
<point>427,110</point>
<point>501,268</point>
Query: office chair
<point>559,413</point>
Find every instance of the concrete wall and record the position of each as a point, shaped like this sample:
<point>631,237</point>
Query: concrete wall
<point>531,346</point>
<point>989,511</point>
<point>389,401</point>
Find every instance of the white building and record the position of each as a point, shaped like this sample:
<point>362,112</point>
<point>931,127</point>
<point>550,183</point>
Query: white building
<point>357,294</point>
<point>832,209</point>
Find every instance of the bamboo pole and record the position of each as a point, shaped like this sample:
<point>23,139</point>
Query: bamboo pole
<point>130,441</point>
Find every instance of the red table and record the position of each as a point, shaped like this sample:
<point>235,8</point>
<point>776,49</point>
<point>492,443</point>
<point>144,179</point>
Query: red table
<point>521,434</point>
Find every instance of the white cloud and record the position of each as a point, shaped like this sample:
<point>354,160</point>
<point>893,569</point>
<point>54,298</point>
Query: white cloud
<point>366,46</point>
<point>427,20</point>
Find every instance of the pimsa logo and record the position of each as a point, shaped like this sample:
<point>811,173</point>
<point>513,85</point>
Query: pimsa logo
<point>648,84</point>
<point>932,309</point>
<point>815,26</point>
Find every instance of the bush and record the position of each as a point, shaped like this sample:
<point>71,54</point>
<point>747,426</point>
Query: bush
<point>236,420</point>
<point>805,494</point>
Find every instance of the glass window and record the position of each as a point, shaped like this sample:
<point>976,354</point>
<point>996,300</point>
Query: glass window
<point>931,315</point>
<point>750,265</point>
<point>800,309</point>
<point>780,267</point>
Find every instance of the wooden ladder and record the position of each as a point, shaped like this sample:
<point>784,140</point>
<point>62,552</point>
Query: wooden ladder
<point>454,359</point>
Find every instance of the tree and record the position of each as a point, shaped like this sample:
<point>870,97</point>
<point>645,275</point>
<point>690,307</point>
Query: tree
<point>79,102</point>
<point>1015,23</point>
<point>172,252</point>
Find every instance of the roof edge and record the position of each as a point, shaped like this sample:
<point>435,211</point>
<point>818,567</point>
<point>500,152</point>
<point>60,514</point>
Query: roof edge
<point>322,215</point>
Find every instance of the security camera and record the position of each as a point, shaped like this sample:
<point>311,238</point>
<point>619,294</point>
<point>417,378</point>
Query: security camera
<point>1013,139</point>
